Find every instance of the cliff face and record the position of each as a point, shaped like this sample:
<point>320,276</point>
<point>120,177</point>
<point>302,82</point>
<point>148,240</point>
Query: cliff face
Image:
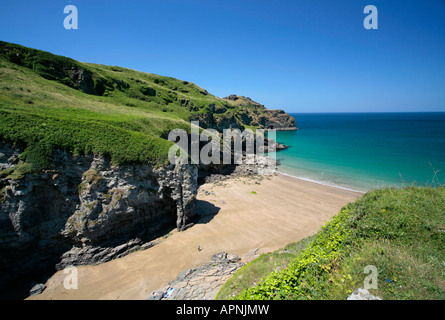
<point>84,210</point>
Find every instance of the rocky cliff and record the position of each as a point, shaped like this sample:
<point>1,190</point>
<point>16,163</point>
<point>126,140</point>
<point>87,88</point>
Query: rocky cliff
<point>84,210</point>
<point>258,115</point>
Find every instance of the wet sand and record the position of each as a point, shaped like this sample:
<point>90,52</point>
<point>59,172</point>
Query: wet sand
<point>236,216</point>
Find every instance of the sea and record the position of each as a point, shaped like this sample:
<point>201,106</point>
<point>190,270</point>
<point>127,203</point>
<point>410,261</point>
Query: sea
<point>363,151</point>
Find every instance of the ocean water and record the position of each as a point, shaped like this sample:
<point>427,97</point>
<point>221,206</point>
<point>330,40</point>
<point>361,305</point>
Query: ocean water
<point>362,151</point>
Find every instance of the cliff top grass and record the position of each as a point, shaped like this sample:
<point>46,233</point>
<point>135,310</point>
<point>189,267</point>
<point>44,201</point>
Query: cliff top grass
<point>49,102</point>
<point>400,231</point>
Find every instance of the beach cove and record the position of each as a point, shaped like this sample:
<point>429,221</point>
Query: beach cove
<point>236,216</point>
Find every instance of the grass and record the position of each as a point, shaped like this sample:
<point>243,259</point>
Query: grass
<point>259,268</point>
<point>400,231</point>
<point>115,112</point>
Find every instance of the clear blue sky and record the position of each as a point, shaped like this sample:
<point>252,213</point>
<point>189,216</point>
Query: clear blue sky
<point>299,55</point>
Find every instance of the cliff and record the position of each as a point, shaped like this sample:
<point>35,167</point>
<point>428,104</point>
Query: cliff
<point>84,172</point>
<point>85,210</point>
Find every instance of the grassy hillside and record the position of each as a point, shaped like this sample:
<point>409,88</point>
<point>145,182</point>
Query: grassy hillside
<point>49,102</point>
<point>399,231</point>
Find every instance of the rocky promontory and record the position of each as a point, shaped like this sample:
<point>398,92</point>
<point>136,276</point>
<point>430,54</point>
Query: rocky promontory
<point>258,114</point>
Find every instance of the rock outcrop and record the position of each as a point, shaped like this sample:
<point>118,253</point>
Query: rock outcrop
<point>239,112</point>
<point>84,210</point>
<point>201,283</point>
<point>257,114</point>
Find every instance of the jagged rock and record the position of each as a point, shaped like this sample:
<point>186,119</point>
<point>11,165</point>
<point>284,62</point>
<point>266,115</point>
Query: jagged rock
<point>256,113</point>
<point>130,201</point>
<point>253,113</point>
<point>272,146</point>
<point>37,289</point>
<point>94,254</point>
<point>82,79</point>
<point>251,165</point>
<point>225,257</point>
<point>202,282</point>
<point>279,120</point>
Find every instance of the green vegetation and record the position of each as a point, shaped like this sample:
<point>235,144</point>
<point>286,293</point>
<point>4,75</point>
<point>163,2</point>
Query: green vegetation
<point>50,102</point>
<point>399,231</point>
<point>262,267</point>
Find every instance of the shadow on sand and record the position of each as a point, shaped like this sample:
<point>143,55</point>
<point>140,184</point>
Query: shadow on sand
<point>205,211</point>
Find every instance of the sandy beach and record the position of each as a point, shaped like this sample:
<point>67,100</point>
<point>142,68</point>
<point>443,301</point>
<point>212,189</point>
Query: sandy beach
<point>236,216</point>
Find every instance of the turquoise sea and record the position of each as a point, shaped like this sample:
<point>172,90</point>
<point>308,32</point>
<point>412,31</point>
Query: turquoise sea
<point>361,151</point>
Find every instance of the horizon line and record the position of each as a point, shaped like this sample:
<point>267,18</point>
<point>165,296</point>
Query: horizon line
<point>361,112</point>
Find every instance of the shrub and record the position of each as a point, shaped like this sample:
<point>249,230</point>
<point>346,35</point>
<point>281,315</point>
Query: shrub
<point>147,91</point>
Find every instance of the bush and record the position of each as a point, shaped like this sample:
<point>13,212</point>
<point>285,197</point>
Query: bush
<point>147,91</point>
<point>38,155</point>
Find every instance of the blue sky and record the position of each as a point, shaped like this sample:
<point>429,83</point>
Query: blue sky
<point>299,55</point>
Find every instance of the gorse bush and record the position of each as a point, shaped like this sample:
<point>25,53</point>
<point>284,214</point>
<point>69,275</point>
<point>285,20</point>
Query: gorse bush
<point>38,155</point>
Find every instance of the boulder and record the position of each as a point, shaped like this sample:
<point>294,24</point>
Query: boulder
<point>37,289</point>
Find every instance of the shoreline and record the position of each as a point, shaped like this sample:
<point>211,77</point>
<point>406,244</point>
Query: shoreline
<point>236,215</point>
<point>321,183</point>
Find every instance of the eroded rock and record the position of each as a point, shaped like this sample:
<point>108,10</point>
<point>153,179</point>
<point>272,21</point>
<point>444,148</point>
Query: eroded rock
<point>84,210</point>
<point>201,283</point>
